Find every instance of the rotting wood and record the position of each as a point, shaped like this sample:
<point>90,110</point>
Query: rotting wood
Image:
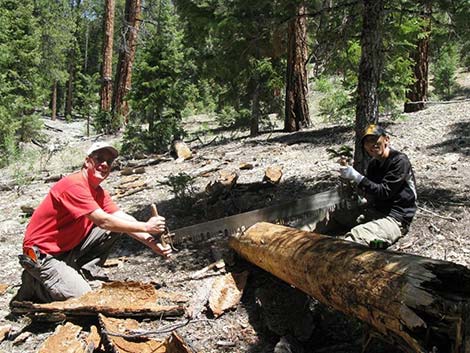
<point>198,301</point>
<point>111,329</point>
<point>418,303</point>
<point>226,292</point>
<point>93,340</point>
<point>131,171</point>
<point>64,340</point>
<point>273,175</point>
<point>117,339</point>
<point>130,186</point>
<point>119,299</point>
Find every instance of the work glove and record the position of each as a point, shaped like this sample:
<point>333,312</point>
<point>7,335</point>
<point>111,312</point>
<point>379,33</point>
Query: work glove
<point>349,173</point>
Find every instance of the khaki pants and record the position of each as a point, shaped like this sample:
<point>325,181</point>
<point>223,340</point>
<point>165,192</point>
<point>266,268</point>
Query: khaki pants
<point>386,229</point>
<point>59,277</point>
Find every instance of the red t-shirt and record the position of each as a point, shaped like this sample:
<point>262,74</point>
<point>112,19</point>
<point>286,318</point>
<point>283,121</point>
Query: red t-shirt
<point>59,223</point>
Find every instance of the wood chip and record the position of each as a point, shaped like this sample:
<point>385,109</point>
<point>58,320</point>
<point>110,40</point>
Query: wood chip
<point>116,261</point>
<point>199,299</point>
<point>111,327</point>
<point>4,332</point>
<point>3,288</point>
<point>21,338</point>
<point>94,339</point>
<point>227,292</point>
<point>65,340</point>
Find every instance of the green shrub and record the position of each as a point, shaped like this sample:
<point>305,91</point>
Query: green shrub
<point>445,69</point>
<point>229,117</point>
<point>337,104</point>
<point>104,122</point>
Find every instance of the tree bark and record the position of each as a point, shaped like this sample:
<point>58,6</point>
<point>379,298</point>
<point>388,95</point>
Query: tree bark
<point>370,67</point>
<point>418,92</point>
<point>126,58</point>
<point>54,101</point>
<point>69,96</point>
<point>296,111</point>
<point>255,111</point>
<point>107,66</point>
<point>417,303</point>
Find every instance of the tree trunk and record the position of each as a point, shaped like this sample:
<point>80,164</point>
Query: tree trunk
<point>370,67</point>
<point>418,303</point>
<point>418,92</point>
<point>69,96</point>
<point>126,58</point>
<point>255,111</point>
<point>107,66</point>
<point>54,101</point>
<point>297,113</point>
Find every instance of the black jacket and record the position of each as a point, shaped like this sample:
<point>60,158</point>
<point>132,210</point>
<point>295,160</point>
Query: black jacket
<point>390,187</point>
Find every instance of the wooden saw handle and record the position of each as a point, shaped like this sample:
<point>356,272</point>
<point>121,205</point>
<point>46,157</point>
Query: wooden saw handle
<point>154,211</point>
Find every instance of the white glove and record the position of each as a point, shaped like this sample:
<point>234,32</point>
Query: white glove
<point>350,173</point>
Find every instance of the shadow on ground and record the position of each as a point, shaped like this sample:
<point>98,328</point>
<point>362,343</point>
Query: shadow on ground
<point>458,141</point>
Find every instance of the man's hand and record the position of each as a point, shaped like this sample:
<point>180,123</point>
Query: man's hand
<point>155,225</point>
<point>163,250</point>
<point>349,173</point>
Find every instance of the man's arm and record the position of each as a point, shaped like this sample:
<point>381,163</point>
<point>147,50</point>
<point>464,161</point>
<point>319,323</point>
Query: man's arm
<point>124,223</point>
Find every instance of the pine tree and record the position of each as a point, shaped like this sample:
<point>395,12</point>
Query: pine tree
<point>161,84</point>
<point>20,90</point>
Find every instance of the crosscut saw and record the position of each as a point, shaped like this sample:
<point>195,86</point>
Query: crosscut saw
<point>312,209</point>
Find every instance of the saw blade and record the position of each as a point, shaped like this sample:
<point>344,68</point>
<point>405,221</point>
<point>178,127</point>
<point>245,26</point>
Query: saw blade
<point>313,206</point>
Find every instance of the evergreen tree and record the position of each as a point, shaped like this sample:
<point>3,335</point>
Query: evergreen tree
<point>161,80</point>
<point>20,90</point>
<point>56,25</point>
<point>242,45</point>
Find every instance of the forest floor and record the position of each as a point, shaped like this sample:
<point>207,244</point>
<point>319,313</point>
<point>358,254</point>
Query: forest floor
<point>437,141</point>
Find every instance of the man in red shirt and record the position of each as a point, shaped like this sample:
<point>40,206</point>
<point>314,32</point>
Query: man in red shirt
<point>72,230</point>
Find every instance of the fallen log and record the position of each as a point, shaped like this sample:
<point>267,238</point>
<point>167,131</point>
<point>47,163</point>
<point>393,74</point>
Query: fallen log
<point>117,299</point>
<point>418,303</point>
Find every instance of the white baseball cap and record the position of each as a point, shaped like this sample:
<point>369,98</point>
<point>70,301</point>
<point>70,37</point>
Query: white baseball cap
<point>97,146</point>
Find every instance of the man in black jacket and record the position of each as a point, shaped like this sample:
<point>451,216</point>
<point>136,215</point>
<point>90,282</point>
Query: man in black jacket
<point>389,187</point>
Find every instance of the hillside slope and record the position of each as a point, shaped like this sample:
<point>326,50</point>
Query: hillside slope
<point>437,141</point>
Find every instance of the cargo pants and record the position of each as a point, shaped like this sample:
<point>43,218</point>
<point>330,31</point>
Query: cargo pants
<point>376,228</point>
<point>60,277</point>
